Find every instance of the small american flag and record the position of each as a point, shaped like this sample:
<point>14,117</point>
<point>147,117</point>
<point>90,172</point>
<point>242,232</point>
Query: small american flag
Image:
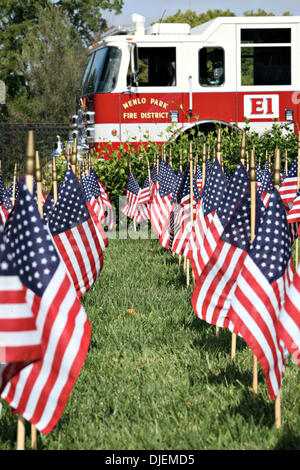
<point>132,196</point>
<point>20,340</point>
<point>288,188</point>
<point>39,392</point>
<point>182,236</point>
<point>205,234</point>
<point>161,206</point>
<point>288,323</point>
<point>95,207</point>
<point>75,235</point>
<point>261,291</point>
<point>216,284</point>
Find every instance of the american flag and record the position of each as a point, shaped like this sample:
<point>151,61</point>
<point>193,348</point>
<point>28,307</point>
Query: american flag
<point>39,392</point>
<point>48,205</point>
<point>109,211</point>
<point>145,193</point>
<point>75,235</point>
<point>182,236</point>
<point>216,284</point>
<point>205,234</point>
<point>172,228</point>
<point>20,340</point>
<point>266,186</point>
<point>5,206</point>
<point>288,323</point>
<point>161,206</point>
<point>198,176</point>
<point>261,291</point>
<point>288,188</point>
<point>294,212</point>
<point>95,207</point>
<point>132,196</point>
<point>10,190</point>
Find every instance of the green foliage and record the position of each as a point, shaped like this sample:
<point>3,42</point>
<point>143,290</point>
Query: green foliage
<point>52,62</point>
<point>18,17</point>
<point>194,19</point>
<point>157,377</point>
<point>114,171</point>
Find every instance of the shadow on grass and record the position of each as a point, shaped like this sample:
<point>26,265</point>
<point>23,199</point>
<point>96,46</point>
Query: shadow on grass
<point>288,440</point>
<point>220,342</point>
<point>232,374</point>
<point>260,410</point>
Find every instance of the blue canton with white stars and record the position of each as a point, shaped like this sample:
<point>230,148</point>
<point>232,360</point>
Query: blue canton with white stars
<point>167,186</point>
<point>213,188</point>
<point>238,184</point>
<point>33,252</point>
<point>184,189</point>
<point>177,186</point>
<point>237,232</point>
<point>132,185</point>
<point>70,209</point>
<point>271,249</point>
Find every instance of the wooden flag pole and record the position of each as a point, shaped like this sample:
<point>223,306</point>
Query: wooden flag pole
<point>180,168</point>
<point>191,209</point>
<point>203,165</point>
<point>252,230</point>
<point>14,185</point>
<point>29,182</point>
<point>277,165</point>
<point>69,152</point>
<point>74,156</point>
<point>54,180</point>
<point>170,157</point>
<point>219,160</point>
<point>38,177</point>
<point>233,335</point>
<point>298,184</point>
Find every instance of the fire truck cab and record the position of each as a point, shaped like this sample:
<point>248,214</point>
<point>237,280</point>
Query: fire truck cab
<point>147,84</point>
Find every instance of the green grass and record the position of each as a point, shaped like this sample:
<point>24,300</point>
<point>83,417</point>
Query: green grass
<point>158,377</point>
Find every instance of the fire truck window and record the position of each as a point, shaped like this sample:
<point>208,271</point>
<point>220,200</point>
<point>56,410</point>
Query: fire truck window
<point>266,35</point>
<point>211,66</point>
<point>157,66</point>
<point>265,66</point>
<point>102,73</point>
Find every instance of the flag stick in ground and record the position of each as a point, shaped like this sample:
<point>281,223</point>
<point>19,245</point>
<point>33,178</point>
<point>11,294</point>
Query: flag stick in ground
<point>191,209</point>
<point>203,165</point>
<point>298,184</point>
<point>54,180</point>
<point>14,184</point>
<point>38,177</point>
<point>219,160</point>
<point>180,168</point>
<point>29,182</point>
<point>74,156</point>
<point>252,225</point>
<point>233,336</point>
<point>276,185</point>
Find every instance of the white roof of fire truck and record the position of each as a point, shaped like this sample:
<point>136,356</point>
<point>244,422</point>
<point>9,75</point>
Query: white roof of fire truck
<point>183,31</point>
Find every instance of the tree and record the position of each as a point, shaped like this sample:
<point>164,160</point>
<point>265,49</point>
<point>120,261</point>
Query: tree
<point>86,17</point>
<point>52,64</point>
<point>18,16</point>
<point>261,12</point>
<point>194,19</point>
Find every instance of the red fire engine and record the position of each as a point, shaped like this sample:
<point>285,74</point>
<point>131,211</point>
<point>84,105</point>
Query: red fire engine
<point>147,84</point>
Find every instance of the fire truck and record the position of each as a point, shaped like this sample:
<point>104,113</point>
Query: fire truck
<point>153,83</point>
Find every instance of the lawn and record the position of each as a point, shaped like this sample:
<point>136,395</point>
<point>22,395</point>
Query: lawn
<point>156,377</point>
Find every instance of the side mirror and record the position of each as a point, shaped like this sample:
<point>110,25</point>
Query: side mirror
<point>134,64</point>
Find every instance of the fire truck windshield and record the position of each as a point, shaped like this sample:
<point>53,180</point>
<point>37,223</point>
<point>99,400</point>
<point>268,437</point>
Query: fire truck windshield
<point>102,71</point>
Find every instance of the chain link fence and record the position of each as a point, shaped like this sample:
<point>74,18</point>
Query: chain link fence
<point>13,141</point>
